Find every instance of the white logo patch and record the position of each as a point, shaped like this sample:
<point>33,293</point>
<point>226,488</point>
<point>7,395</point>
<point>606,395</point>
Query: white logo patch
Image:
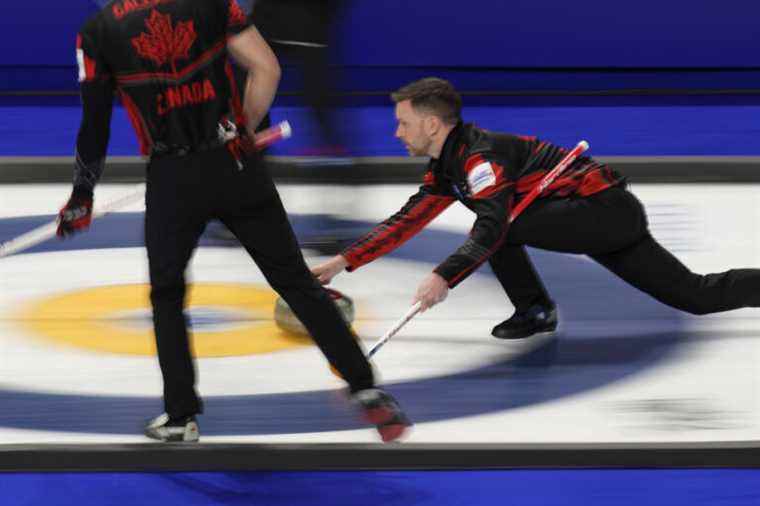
<point>80,63</point>
<point>481,177</point>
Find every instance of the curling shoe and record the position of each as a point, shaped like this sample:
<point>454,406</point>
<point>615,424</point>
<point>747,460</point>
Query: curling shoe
<point>163,428</point>
<point>537,319</point>
<point>382,411</point>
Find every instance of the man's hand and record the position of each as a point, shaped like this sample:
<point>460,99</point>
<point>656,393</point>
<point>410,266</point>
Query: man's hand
<point>431,291</point>
<point>75,216</point>
<point>326,271</point>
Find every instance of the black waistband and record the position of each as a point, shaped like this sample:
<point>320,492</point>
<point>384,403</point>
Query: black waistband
<point>162,150</point>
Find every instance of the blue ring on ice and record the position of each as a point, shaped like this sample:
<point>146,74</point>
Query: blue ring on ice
<point>573,364</point>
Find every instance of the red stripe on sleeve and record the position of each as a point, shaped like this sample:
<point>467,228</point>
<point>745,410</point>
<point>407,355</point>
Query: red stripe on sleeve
<point>594,182</point>
<point>395,234</point>
<point>146,145</point>
<point>90,67</point>
<point>237,16</point>
<point>526,183</point>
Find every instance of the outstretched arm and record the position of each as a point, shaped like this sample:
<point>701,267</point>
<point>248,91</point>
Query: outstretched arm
<point>420,209</point>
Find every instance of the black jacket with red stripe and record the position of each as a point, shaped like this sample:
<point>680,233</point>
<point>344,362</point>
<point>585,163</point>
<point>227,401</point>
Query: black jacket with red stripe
<point>490,174</point>
<point>168,62</point>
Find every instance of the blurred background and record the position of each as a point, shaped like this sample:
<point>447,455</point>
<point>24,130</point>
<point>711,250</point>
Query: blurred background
<point>650,79</point>
<point>666,92</point>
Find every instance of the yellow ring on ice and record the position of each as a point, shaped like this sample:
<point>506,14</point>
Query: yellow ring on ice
<point>116,319</point>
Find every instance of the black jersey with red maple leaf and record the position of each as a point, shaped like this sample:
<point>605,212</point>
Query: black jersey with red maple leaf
<point>167,61</point>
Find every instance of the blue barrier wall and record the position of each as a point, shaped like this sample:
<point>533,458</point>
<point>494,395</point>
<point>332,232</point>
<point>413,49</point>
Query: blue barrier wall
<point>593,487</point>
<point>554,33</point>
<point>403,36</point>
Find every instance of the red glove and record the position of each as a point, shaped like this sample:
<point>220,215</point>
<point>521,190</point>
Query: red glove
<point>75,216</point>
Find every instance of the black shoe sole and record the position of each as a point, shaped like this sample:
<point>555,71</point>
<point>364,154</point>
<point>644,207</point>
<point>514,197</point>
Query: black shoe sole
<point>526,333</point>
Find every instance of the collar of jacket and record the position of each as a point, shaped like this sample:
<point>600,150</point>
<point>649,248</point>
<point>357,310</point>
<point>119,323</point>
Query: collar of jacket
<point>454,139</point>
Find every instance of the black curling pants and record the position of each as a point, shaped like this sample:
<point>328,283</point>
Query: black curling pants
<point>183,194</point>
<point>611,227</point>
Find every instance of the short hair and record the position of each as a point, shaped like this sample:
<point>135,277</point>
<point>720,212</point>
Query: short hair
<point>432,95</point>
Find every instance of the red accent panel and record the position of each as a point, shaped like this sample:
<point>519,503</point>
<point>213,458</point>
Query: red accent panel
<point>582,182</point>
<point>594,182</point>
<point>143,136</point>
<point>563,186</point>
<point>473,162</point>
<point>237,16</point>
<point>89,67</point>
<point>526,183</point>
<point>121,9</point>
<point>396,234</point>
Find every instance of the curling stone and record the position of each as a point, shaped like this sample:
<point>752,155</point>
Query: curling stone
<point>287,320</point>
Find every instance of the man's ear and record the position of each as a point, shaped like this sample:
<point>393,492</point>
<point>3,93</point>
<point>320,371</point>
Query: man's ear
<point>432,124</point>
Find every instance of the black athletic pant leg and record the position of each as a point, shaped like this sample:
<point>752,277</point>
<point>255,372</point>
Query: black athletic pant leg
<point>518,277</point>
<point>254,213</point>
<point>652,269</point>
<point>176,214</point>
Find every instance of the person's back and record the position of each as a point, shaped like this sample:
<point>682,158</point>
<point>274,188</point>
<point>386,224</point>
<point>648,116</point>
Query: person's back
<point>168,59</point>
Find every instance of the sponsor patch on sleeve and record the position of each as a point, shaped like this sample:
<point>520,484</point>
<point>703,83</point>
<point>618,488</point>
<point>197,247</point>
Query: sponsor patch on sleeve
<point>481,177</point>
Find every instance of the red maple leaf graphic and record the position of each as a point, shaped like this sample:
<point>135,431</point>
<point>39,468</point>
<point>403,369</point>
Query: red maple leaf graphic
<point>162,43</point>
